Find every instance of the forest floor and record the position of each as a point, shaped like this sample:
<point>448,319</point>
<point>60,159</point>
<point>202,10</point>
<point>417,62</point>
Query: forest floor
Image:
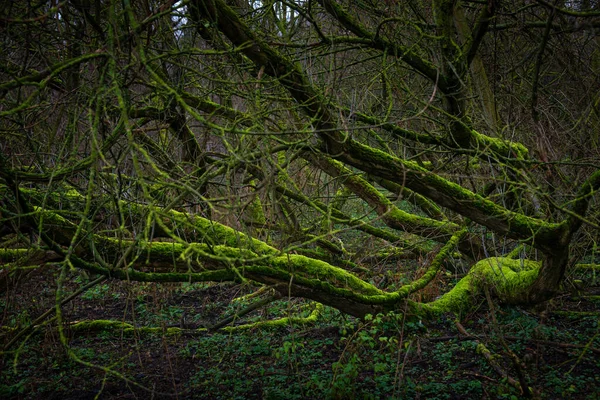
<point>553,349</point>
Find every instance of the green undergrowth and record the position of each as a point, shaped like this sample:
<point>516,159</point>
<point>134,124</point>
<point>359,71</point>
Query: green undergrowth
<point>383,356</point>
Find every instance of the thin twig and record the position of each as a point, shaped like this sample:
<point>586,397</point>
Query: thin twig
<point>45,315</point>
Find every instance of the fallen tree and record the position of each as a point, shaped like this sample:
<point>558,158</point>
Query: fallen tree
<point>221,141</point>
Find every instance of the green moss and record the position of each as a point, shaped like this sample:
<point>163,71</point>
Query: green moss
<point>392,215</point>
<point>10,255</point>
<point>120,327</point>
<point>100,324</point>
<point>359,224</point>
<point>206,276</point>
<point>165,251</point>
<point>595,267</point>
<point>500,147</point>
<point>481,349</point>
<point>507,277</point>
<point>403,218</point>
<point>434,267</point>
<point>336,261</point>
<point>281,322</point>
<point>537,232</point>
<point>220,234</point>
<point>320,270</point>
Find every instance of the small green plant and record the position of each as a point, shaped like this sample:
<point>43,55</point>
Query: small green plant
<point>344,376</point>
<point>97,292</point>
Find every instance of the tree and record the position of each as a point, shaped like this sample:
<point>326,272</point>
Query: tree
<point>309,146</point>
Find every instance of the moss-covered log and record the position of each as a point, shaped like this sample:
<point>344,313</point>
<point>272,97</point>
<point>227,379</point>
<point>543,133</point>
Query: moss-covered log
<point>290,273</point>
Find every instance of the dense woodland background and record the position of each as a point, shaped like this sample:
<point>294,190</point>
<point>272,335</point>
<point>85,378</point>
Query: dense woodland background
<point>364,198</point>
